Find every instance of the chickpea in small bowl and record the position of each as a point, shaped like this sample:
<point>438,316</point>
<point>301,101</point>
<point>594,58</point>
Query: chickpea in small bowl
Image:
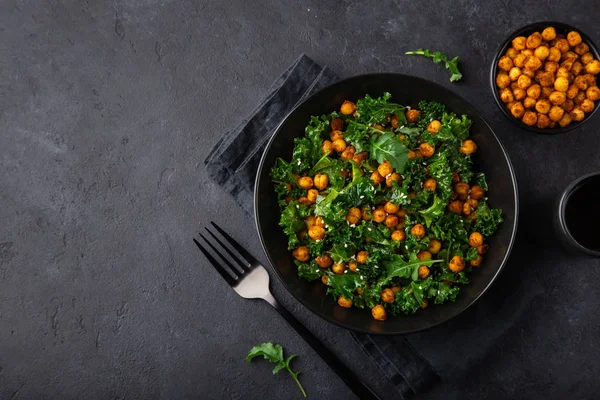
<point>544,78</point>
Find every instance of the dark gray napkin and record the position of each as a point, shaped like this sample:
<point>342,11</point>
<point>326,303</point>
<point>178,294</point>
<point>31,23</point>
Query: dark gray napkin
<point>412,363</point>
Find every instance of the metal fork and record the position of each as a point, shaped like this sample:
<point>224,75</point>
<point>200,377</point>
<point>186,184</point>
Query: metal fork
<point>251,281</point>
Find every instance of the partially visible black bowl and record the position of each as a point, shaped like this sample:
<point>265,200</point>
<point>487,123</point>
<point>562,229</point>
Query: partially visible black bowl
<point>561,28</point>
<point>491,158</point>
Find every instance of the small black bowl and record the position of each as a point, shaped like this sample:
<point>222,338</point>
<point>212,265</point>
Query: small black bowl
<point>560,220</point>
<point>561,28</point>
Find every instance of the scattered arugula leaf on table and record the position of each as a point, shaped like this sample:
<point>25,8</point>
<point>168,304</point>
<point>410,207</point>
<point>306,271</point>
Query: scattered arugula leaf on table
<point>274,353</point>
<point>438,56</point>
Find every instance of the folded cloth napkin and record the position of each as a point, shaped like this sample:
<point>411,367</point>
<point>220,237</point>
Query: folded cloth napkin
<point>412,363</point>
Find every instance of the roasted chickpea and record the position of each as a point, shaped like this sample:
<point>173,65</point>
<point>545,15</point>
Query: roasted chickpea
<point>339,145</point>
<point>569,56</point>
<point>476,262</point>
<point>348,108</point>
<point>551,66</point>
<point>302,234</point>
<point>435,125</point>
<point>579,98</point>
<point>593,67</point>
<point>305,182</point>
<point>388,295</point>
<point>563,73</point>
<point>587,106</point>
<point>475,239</point>
<point>398,235</point>
<point>545,79</point>
<point>548,34</point>
<point>581,48</point>
<point>327,147</point>
<point>321,181</point>
<point>574,38</point>
<point>301,253</point>
<point>524,82</point>
<point>344,302</point>
<point>542,121</point>
<point>378,312</point>
<point>430,184</point>
<point>412,154</point>
<point>572,91</point>
<point>512,52</point>
<point>376,177</point>
<point>434,246</point>
<point>568,105</point>
<point>456,207</point>
<point>513,75</point>
<point>402,213</point>
<point>519,43</point>
<point>593,93</point>
<point>519,60</point>
<point>391,221</point>
<point>324,279</point>
<point>365,214</point>
<point>528,102</point>
<point>424,255</point>
<point>468,147</point>
<point>534,40</point>
<point>580,82</point>
<point>519,94</point>
<point>477,192</point>
<point>542,52</point>
<point>362,257</point>
<point>338,268</point>
<point>312,194</point>
<point>423,272</point>
<point>461,188</point>
<point>394,121</point>
<point>391,208</point>
<point>353,216</point>
<point>360,157</point>
<point>412,115</point>
<point>529,118</point>
<point>378,126</point>
<point>562,45</point>
<point>352,266</point>
<point>426,150</point>
<point>456,264</point>
<point>543,106</point>
<point>324,261</point>
<point>418,230</point>
<point>527,72</point>
<point>517,109</point>
<point>378,215</point>
<point>319,221</point>
<point>334,135</point>
<point>337,124</point>
<point>348,153</point>
<point>505,63</point>
<point>554,55</point>
<point>532,62</point>
<point>394,177</point>
<point>577,68</point>
<point>577,114</point>
<point>557,98</point>
<point>385,169</point>
<point>565,120</point>
<point>587,58</point>
<point>316,232</point>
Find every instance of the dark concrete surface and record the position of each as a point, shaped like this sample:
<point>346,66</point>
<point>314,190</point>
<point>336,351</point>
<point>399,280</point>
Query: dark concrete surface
<point>107,110</point>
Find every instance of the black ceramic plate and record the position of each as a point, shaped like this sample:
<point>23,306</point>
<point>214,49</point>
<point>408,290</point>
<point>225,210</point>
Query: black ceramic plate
<point>560,28</point>
<point>491,158</point>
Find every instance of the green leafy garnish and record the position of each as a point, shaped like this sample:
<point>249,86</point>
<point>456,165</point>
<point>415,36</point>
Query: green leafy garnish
<point>438,56</point>
<point>387,147</point>
<point>274,353</point>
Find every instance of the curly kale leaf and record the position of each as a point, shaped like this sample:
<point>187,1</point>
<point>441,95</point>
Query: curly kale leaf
<point>435,211</point>
<point>441,172</point>
<point>375,110</point>
<point>479,179</point>
<point>430,110</point>
<point>487,220</point>
<point>309,270</point>
<point>292,221</point>
<point>450,227</point>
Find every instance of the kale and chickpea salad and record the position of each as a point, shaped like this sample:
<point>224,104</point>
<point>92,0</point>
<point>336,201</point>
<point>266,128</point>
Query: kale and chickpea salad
<point>381,203</point>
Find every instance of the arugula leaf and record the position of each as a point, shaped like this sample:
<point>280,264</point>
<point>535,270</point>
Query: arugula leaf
<point>274,353</point>
<point>451,65</point>
<point>487,220</point>
<point>400,268</point>
<point>435,211</point>
<point>387,147</point>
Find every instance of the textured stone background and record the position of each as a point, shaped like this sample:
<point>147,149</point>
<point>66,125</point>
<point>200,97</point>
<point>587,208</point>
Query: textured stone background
<point>107,110</point>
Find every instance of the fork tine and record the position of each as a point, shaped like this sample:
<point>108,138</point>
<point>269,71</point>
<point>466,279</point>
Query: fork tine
<point>215,264</point>
<point>234,271</point>
<point>245,267</point>
<point>235,245</point>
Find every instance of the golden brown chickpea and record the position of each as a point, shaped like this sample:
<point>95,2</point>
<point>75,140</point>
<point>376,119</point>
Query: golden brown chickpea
<point>430,184</point>
<point>319,221</point>
<point>542,121</point>
<point>378,126</point>
<point>534,40</point>
<point>396,289</point>
<point>593,67</point>
<point>348,153</point>
<point>338,268</point>
<point>519,94</point>
<point>324,261</point>
<point>577,114</point>
<point>477,192</point>
<point>365,213</point>
<point>324,279</point>
<point>456,264</point>
<point>312,194</point>
<point>568,105</point>
<point>505,63</point>
<point>524,82</point>
<point>378,313</point>
<point>549,34</point>
<point>348,108</point>
<point>587,106</point>
<point>468,147</point>
<point>533,91</point>
<point>327,147</point>
<point>378,215</point>
<point>477,262</point>
<point>412,115</point>
<point>353,216</point>
<point>581,48</point>
<point>482,249</point>
<point>579,98</point>
<point>424,255</point>
<point>334,135</point>
<point>310,221</point>
<point>425,303</point>
<point>569,56</point>
<point>513,75</point>
<point>545,79</point>
<point>556,113</point>
<point>574,38</point>
<point>562,45</point>
<point>398,235</point>
<point>527,52</point>
<point>456,207</point>
<point>435,246</point>
<point>529,118</point>
<point>388,295</point>
<point>360,157</point>
<point>321,181</point>
<point>593,93</point>
<point>394,121</point>
<point>529,103</point>
<point>519,60</point>
<point>527,72</point>
<point>402,213</point>
<point>542,52</point>
<point>455,177</point>
<point>554,55</point>
<point>572,91</point>
<point>426,150</point>
<point>587,58</point>
<point>344,302</point>
<point>543,106</point>
<point>412,154</point>
<point>435,125</point>
<point>517,109</point>
<point>337,124</point>
<point>362,257</point>
<point>391,208</point>
<point>557,98</point>
<point>376,177</point>
<point>551,66</point>
<point>305,182</point>
<point>577,68</point>
<point>512,52</point>
<point>567,64</point>
<point>391,221</point>
<point>339,145</point>
<point>316,232</point>
<point>352,266</point>
<point>385,169</point>
<point>562,73</point>
<point>519,43</point>
<point>475,239</point>
<point>532,62</point>
<point>394,177</point>
<point>580,82</point>
<point>418,230</point>
<point>423,272</point>
<point>301,253</point>
<point>565,120</point>
<point>461,188</point>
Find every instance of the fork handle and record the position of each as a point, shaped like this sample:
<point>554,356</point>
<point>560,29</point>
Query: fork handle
<point>353,381</point>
